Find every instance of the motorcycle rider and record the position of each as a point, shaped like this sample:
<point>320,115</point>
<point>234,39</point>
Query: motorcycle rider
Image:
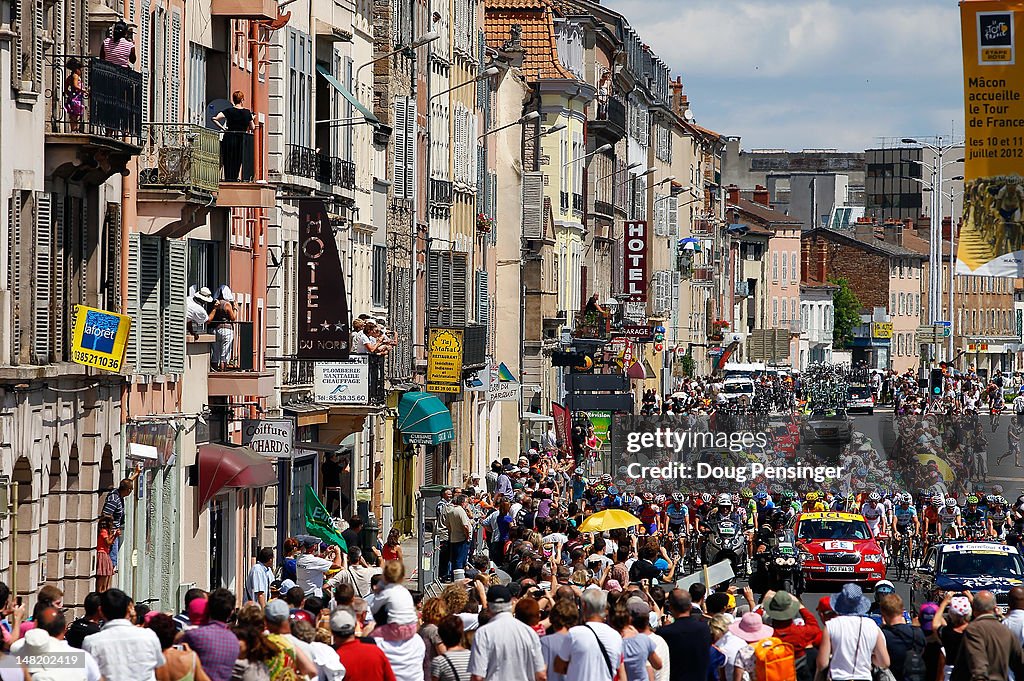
<point>724,516</point>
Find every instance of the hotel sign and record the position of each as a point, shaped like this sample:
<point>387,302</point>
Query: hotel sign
<point>634,258</point>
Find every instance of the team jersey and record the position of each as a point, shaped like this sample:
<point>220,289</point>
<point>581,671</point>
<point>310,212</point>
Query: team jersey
<point>975,518</point>
<point>904,517</point>
<point>752,512</point>
<point>815,507</point>
<point>649,514</point>
<point>949,516</point>
<point>931,514</point>
<point>764,511</point>
<point>677,514</point>
<point>872,514</point>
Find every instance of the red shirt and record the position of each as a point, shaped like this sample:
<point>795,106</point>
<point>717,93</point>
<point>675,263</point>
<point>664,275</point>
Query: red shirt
<point>799,635</point>
<point>364,662</point>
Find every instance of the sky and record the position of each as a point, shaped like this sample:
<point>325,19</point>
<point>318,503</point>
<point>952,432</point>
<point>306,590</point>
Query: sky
<point>800,74</point>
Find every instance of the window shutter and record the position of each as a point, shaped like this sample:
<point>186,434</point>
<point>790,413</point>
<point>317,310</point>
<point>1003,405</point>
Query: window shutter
<point>144,60</point>
<point>132,302</point>
<point>150,262</point>
<point>112,286</point>
<point>175,256</point>
<point>42,281</point>
<point>410,150</point>
<point>460,299</point>
<point>14,272</point>
<point>483,301</point>
<point>659,215</point>
<point>672,208</point>
<point>38,27</point>
<point>533,205</point>
<point>175,68</point>
<point>673,302</point>
<point>434,267</point>
<point>61,300</point>
<point>398,181</point>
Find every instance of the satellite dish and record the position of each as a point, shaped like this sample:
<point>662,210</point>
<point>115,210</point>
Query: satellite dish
<point>688,115</point>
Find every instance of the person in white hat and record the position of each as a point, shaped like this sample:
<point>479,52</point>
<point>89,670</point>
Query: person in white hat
<point>196,313</point>
<point>222,319</point>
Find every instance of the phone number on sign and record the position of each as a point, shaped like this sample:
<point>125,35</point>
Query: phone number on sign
<point>91,359</point>
<point>68,660</point>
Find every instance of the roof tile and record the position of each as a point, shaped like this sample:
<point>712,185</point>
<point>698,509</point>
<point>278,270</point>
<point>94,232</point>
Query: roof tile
<point>540,61</point>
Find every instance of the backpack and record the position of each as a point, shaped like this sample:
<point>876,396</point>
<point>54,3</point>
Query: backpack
<point>913,663</point>
<point>774,660</point>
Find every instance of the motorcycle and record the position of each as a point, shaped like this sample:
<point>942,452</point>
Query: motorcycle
<point>726,541</point>
<point>777,564</point>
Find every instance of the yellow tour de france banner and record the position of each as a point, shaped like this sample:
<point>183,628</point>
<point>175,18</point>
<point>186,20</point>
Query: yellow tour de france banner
<point>99,338</point>
<point>992,232</point>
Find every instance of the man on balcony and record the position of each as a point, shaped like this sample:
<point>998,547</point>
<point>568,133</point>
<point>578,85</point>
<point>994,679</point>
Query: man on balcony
<point>197,314</point>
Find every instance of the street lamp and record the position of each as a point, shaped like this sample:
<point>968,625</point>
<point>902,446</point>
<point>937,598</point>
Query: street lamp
<point>531,116</point>
<point>484,75</point>
<point>645,173</point>
<point>428,37</point>
<point>600,150</point>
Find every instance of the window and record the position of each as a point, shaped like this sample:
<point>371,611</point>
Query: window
<point>775,313</point>
<point>892,304</point>
<point>379,285</point>
<point>775,266</point>
<point>196,105</point>
<point>792,310</point>
<point>446,288</point>
<point>785,269</point>
<point>404,139</point>
<point>156,303</point>
<point>901,268</point>
<point>203,265</point>
<point>300,85</point>
<point>902,309</point>
<point>794,269</point>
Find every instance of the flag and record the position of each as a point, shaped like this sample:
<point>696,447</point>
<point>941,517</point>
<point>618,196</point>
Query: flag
<point>319,522</point>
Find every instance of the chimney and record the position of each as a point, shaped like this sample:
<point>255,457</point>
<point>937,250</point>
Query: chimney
<point>762,196</point>
<point>864,229</point>
<point>947,228</point>
<point>892,232</point>
<point>822,264</point>
<point>734,194</point>
<point>924,227</point>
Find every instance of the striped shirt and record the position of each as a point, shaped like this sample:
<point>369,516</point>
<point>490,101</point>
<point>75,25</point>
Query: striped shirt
<point>118,53</point>
<point>452,666</point>
<point>113,508</point>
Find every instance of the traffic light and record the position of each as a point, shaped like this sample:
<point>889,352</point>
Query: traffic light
<point>935,382</point>
<point>659,338</point>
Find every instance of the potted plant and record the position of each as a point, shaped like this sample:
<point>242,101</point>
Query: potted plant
<point>718,329</point>
<point>484,223</point>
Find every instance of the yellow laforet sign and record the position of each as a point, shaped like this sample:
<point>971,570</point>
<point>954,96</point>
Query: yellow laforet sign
<point>99,338</point>
<point>444,360</point>
<point>991,239</point>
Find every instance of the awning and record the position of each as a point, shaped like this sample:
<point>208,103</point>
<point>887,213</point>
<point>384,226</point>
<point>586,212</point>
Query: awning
<point>223,466</point>
<point>424,420</point>
<point>336,84</point>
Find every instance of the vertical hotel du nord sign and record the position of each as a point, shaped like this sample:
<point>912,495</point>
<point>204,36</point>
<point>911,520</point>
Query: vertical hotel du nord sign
<point>323,332</point>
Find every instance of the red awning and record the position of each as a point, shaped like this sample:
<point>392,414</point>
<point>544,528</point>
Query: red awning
<point>223,466</point>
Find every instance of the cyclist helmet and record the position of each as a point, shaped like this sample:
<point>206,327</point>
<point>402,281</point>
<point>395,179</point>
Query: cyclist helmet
<point>678,497</point>
<point>578,471</point>
<point>606,478</point>
<point>951,502</point>
<point>874,497</point>
<point>735,499</point>
<point>904,499</point>
<point>760,496</point>
<point>613,491</point>
<point>972,500</point>
<point>724,500</point>
<point>648,497</point>
<point>788,495</point>
<point>1000,500</point>
<point>990,499</point>
<point>706,498</point>
<point>811,496</point>
<point>660,499</point>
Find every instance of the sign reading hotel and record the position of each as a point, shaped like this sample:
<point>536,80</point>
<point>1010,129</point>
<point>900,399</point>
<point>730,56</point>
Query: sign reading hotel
<point>444,360</point>
<point>99,338</point>
<point>342,382</point>
<point>991,241</point>
<point>634,258</point>
<point>323,331</point>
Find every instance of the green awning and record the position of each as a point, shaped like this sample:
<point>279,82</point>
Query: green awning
<point>336,84</point>
<point>424,420</point>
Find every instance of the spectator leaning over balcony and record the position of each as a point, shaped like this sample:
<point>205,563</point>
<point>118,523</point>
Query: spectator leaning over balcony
<point>197,314</point>
<point>221,320</point>
<point>236,122</point>
<point>118,49</point>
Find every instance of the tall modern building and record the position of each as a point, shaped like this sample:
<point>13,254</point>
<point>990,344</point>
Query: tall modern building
<point>897,179</point>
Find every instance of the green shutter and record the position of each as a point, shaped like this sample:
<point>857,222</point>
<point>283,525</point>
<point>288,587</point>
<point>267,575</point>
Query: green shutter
<point>174,305</point>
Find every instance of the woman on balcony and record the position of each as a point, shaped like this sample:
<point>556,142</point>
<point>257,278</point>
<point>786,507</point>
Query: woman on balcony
<point>118,49</point>
<point>221,320</point>
<point>237,122</point>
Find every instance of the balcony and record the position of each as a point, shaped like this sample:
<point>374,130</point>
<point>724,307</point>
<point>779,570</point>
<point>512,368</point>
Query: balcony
<point>563,201</point>
<point>610,124</point>
<point>239,187</point>
<point>702,275</point>
<point>94,136</point>
<point>299,375</point>
<point>311,164</point>
<point>741,289</point>
<point>256,10</point>
<point>236,374</point>
<point>440,192</point>
<point>180,158</point>
<point>701,228</point>
<point>577,203</point>
<point>591,325</point>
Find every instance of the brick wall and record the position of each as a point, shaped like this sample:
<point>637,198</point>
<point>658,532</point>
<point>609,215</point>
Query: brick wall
<point>868,273</point>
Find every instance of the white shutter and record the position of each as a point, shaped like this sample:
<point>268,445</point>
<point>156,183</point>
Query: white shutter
<point>144,60</point>
<point>533,205</point>
<point>38,28</point>
<point>174,292</point>
<point>43,278</point>
<point>175,68</point>
<point>434,269</point>
<point>659,215</point>
<point>62,299</point>
<point>674,298</point>
<point>410,150</point>
<point>483,302</point>
<point>148,321</point>
<point>401,149</point>
<point>132,301</point>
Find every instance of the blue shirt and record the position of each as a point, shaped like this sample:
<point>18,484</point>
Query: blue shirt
<point>258,581</point>
<point>635,652</point>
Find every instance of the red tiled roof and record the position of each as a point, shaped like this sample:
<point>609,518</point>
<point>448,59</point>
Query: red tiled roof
<point>540,61</point>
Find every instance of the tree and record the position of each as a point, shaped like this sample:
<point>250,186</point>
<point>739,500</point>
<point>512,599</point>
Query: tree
<point>846,308</point>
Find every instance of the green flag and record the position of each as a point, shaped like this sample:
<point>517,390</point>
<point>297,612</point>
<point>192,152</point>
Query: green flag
<point>319,522</point>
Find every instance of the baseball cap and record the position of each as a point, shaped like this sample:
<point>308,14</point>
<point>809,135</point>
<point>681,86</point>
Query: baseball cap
<point>927,614</point>
<point>277,611</point>
<point>286,584</point>
<point>637,607</point>
<point>343,622</point>
<point>498,593</point>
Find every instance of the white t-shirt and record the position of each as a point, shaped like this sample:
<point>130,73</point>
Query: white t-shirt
<point>399,603</point>
<point>581,650</point>
<point>550,646</point>
<point>661,647</point>
<point>125,652</point>
<point>853,641</point>
<point>309,573</point>
<point>406,657</point>
<point>730,644</point>
<point>55,647</point>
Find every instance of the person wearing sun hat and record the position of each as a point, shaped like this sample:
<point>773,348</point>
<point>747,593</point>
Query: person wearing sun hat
<point>850,636</point>
<point>750,629</point>
<point>783,608</point>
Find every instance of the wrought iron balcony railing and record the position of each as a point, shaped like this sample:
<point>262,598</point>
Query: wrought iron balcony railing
<point>312,164</point>
<point>180,156</point>
<point>105,101</point>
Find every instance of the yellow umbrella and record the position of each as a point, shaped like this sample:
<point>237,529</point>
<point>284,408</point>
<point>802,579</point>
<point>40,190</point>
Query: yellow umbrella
<point>944,468</point>
<point>612,519</point>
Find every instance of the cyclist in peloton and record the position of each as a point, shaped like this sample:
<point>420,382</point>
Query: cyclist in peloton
<point>874,514</point>
<point>813,503</point>
<point>905,522</point>
<point>951,521</point>
<point>676,517</point>
<point>998,516</point>
<point>975,520</point>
